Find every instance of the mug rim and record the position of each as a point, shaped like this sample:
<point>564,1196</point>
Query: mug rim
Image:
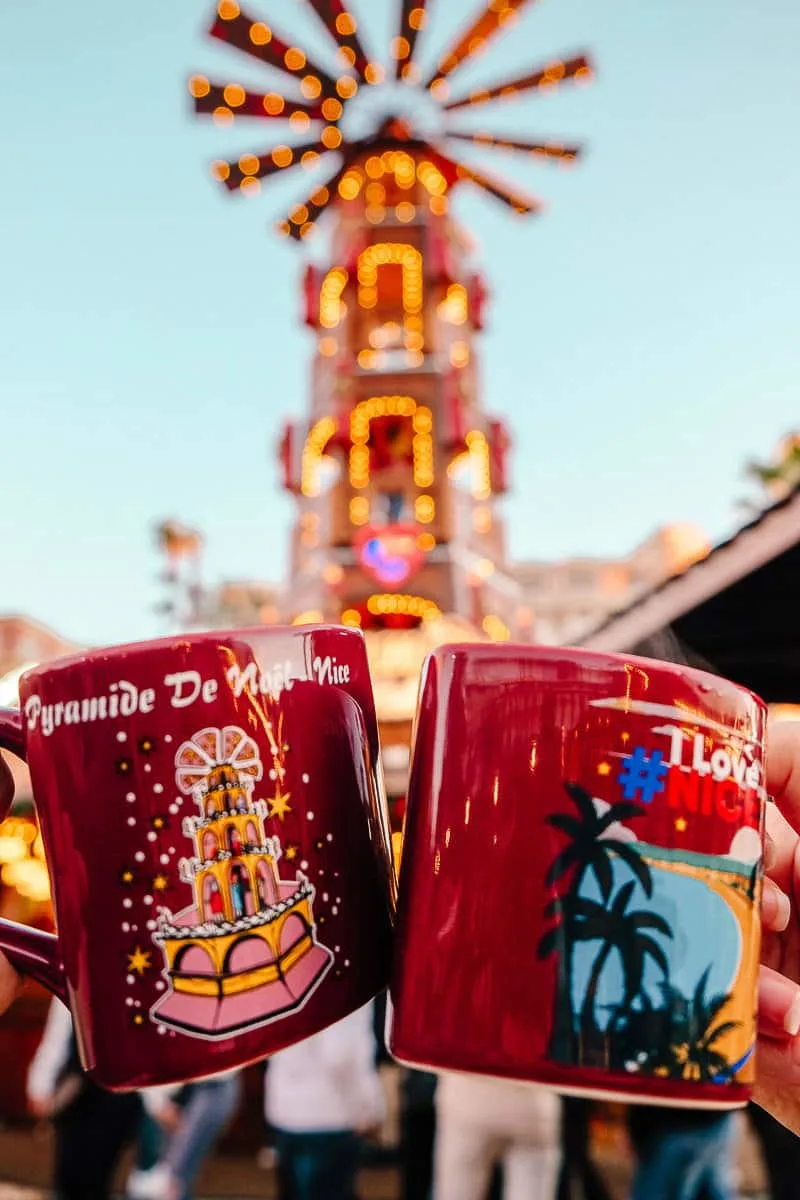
<point>110,653</point>
<point>595,658</point>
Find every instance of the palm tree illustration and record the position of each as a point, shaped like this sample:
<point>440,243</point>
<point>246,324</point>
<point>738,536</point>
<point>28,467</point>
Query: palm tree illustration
<point>627,933</point>
<point>587,852</point>
<point>691,1052</point>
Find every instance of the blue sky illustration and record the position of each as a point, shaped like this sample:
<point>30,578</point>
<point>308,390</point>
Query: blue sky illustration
<point>705,933</point>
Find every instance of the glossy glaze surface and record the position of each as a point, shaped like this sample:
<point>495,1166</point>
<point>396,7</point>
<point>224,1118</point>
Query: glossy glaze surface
<point>253,753</point>
<point>541,939</point>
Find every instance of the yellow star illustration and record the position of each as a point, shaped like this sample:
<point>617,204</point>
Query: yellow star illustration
<point>680,824</point>
<point>290,853</point>
<point>158,822</point>
<point>604,768</point>
<point>127,877</point>
<point>138,1019</point>
<point>279,805</point>
<point>139,961</point>
<point>160,883</point>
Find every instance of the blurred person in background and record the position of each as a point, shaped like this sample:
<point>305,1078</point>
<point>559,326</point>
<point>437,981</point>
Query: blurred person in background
<point>417,1134</point>
<point>684,1154</point>
<point>579,1175</point>
<point>321,1098</point>
<point>483,1122</point>
<point>192,1119</point>
<point>781,1152</point>
<point>150,1142</point>
<point>92,1127</point>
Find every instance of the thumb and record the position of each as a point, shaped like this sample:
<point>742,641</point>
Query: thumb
<point>6,786</point>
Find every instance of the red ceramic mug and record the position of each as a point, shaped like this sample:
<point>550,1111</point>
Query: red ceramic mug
<point>580,876</point>
<point>212,817</point>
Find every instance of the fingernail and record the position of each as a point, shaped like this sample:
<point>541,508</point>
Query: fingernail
<point>784,911</point>
<point>791,1024</point>
<point>769,852</point>
<point>776,908</point>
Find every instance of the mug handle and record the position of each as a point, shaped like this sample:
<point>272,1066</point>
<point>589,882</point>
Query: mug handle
<point>32,952</point>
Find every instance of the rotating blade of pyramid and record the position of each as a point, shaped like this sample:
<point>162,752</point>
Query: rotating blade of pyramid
<point>413,18</point>
<point>549,150</point>
<point>551,76</point>
<point>233,100</point>
<point>260,166</point>
<point>476,38</point>
<point>303,218</point>
<point>342,27</point>
<point>518,201</point>
<point>258,40</point>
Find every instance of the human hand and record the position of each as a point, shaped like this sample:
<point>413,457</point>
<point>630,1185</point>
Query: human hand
<point>6,785</point>
<point>778,1061</point>
<point>10,981</point>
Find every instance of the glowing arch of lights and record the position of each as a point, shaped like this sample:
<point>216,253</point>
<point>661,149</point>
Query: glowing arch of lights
<point>318,437</point>
<point>391,406</point>
<point>312,617</point>
<point>330,297</point>
<point>431,178</point>
<point>478,449</point>
<point>351,183</point>
<point>407,257</point>
<point>394,603</point>
<point>406,172</point>
<point>454,308</point>
<point>496,628</point>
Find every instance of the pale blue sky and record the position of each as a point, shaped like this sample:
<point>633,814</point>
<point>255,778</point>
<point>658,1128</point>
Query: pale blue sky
<point>643,338</point>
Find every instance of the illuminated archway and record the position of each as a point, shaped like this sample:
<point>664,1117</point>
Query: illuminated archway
<point>409,259</point>
<point>318,437</point>
<point>480,460</point>
<point>330,297</point>
<point>391,610</point>
<point>375,407</point>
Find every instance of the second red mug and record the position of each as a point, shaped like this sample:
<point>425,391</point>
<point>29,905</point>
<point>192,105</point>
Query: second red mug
<point>580,876</point>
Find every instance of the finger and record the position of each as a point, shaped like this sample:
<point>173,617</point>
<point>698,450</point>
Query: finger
<point>784,844</point>
<point>772,949</point>
<point>9,983</point>
<point>782,1102</point>
<point>778,1062</point>
<point>783,767</point>
<point>778,1004</point>
<point>776,908</point>
<point>770,849</point>
<point>6,786</point>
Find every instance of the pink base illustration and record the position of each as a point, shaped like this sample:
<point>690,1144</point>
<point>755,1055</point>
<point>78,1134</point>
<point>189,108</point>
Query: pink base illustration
<point>219,1016</point>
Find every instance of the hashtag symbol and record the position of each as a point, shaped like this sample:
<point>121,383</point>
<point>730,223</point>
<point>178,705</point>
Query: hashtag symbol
<point>642,776</point>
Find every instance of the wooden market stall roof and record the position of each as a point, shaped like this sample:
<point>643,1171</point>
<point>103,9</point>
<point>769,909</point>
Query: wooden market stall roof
<point>738,608</point>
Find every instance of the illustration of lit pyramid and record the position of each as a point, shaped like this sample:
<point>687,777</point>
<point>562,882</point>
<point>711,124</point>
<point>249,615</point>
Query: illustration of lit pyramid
<point>245,952</point>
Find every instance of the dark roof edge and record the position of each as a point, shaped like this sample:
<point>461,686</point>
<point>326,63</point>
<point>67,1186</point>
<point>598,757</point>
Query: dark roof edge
<point>773,531</point>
